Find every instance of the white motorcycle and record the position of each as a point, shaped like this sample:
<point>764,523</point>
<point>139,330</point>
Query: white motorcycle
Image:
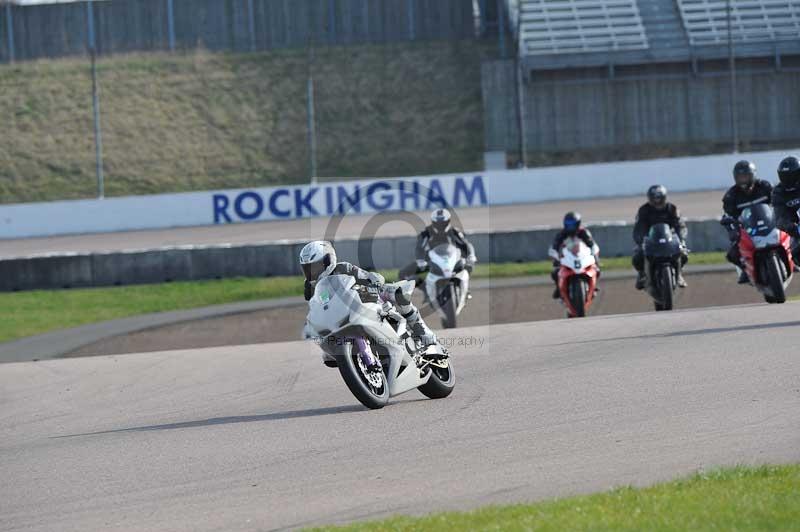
<point>371,345</point>
<point>447,283</point>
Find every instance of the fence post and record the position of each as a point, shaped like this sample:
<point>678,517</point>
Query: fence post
<point>501,27</point>
<point>411,28</point>
<point>171,25</point>
<point>310,107</point>
<point>332,21</point>
<point>98,135</point>
<point>10,32</point>
<point>90,24</point>
<point>251,14</point>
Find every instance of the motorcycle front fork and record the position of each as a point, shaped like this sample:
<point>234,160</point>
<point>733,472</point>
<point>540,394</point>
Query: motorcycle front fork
<point>365,352</point>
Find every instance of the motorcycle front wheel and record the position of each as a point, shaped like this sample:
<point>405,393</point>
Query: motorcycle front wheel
<point>370,388</point>
<point>666,287</point>
<point>577,295</point>
<point>775,278</point>
<point>448,299</point>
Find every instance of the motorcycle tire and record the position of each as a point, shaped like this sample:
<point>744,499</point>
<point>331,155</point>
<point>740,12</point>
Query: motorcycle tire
<point>367,394</point>
<point>775,278</point>
<point>666,286</point>
<point>449,300</point>
<point>577,296</point>
<point>441,383</point>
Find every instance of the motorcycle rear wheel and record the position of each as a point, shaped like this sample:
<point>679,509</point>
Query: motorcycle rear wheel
<point>441,382</point>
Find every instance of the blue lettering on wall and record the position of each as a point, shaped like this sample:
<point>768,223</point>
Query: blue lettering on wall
<point>328,201</point>
<point>299,202</point>
<point>469,193</point>
<point>413,195</point>
<point>435,195</point>
<point>239,206</point>
<point>304,202</point>
<point>382,202</point>
<point>353,202</point>
<point>221,204</point>
<point>273,204</point>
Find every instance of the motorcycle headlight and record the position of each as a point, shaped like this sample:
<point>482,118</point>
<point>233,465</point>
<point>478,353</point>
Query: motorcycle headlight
<point>435,269</point>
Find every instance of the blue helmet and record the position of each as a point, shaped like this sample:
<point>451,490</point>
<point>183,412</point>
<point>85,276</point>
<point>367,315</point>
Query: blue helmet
<point>572,221</point>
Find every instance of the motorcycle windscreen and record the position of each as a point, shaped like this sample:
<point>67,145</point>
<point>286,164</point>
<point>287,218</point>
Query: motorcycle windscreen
<point>334,299</point>
<point>444,256</point>
<point>661,241</point>
<point>758,220</point>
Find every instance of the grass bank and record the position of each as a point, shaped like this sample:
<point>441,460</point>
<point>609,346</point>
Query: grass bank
<point>40,311</point>
<point>741,498</point>
<point>184,122</point>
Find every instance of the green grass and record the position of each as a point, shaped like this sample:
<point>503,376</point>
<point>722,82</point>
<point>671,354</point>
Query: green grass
<point>35,312</point>
<point>184,122</point>
<point>741,498</point>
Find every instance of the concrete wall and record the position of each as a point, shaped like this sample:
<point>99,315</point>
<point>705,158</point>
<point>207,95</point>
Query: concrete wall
<point>260,260</point>
<point>500,187</point>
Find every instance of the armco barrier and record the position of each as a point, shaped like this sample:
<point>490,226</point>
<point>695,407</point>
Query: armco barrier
<point>268,259</point>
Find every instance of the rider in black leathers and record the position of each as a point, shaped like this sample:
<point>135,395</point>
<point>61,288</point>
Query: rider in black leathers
<point>786,201</point>
<point>657,210</point>
<point>747,191</point>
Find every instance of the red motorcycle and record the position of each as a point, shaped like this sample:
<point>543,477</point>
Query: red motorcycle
<point>766,252</point>
<point>577,277</point>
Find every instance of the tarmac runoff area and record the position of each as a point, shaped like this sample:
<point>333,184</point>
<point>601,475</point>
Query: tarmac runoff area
<point>264,437</point>
<point>480,219</point>
<point>494,302</point>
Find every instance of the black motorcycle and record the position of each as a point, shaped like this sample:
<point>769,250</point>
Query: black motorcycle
<point>663,252</point>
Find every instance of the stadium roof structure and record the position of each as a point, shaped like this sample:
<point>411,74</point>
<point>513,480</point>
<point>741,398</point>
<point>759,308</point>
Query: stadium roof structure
<point>557,34</point>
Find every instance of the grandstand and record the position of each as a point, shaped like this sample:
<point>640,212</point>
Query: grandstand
<point>611,79</point>
<point>554,34</point>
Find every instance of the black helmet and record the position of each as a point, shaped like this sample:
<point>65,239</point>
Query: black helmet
<point>744,173</point>
<point>657,196</point>
<point>789,172</point>
<point>572,221</point>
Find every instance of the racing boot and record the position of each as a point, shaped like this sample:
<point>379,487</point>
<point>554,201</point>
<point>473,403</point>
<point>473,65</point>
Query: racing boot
<point>419,329</point>
<point>641,280</point>
<point>681,281</point>
<point>556,293</point>
<point>743,277</point>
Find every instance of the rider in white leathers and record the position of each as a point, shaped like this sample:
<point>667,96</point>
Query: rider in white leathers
<point>318,260</point>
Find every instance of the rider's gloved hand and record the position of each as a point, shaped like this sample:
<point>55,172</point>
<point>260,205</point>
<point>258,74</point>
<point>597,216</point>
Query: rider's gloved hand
<point>422,265</point>
<point>470,264</point>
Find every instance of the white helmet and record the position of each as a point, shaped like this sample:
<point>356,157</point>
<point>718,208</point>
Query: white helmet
<point>317,259</point>
<point>440,220</point>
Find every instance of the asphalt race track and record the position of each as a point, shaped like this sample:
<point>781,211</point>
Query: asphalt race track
<point>693,205</point>
<point>264,437</point>
<point>529,300</point>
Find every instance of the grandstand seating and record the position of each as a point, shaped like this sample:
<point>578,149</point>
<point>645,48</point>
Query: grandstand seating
<point>706,21</point>
<point>556,34</point>
<point>575,26</point>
